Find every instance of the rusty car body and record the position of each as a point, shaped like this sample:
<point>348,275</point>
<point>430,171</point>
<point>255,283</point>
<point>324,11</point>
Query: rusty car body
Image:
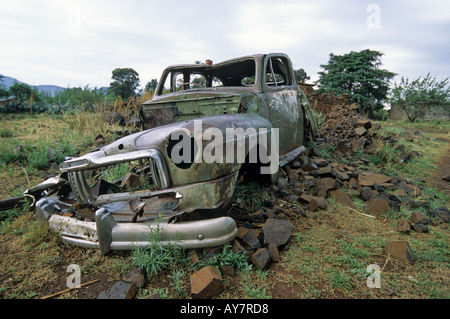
<point>181,199</point>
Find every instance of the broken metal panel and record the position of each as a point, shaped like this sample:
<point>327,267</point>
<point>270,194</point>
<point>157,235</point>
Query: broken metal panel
<point>68,226</point>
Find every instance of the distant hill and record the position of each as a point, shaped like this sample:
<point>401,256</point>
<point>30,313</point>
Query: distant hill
<point>7,81</point>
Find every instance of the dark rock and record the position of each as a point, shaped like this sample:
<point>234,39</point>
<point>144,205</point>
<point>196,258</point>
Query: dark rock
<point>282,182</point>
<point>250,240</point>
<point>323,185</point>
<point>418,218</point>
<point>135,276</point>
<point>261,258</point>
<point>341,197</point>
<point>274,253</point>
<point>366,193</point>
<point>420,228</point>
<point>120,290</point>
<point>316,203</point>
<point>276,232</point>
<point>403,226</point>
<point>377,205</point>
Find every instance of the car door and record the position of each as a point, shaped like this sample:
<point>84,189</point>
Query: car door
<point>281,94</point>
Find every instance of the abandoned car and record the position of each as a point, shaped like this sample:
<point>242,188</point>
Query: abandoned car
<point>205,124</point>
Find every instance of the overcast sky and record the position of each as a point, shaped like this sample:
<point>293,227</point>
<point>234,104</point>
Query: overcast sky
<point>79,43</point>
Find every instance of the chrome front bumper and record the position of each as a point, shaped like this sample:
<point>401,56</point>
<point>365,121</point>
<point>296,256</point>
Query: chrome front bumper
<point>117,228</point>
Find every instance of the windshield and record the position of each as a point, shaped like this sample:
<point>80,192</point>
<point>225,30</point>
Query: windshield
<point>239,73</point>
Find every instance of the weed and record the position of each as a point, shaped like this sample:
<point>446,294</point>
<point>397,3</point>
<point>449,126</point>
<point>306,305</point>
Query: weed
<point>177,282</point>
<point>155,257</point>
<point>227,258</point>
<point>339,279</point>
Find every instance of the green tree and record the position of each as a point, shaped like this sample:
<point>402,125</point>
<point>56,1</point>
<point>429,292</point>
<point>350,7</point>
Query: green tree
<point>301,76</point>
<point>415,96</point>
<point>357,74</point>
<point>3,91</point>
<point>151,85</point>
<point>125,82</point>
<point>24,92</point>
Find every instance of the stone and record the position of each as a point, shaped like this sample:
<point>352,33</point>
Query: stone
<point>250,240</point>
<point>316,203</point>
<point>120,290</point>
<point>363,123</point>
<point>206,283</point>
<point>237,247</point>
<point>377,205</point>
<point>342,147</point>
<point>282,182</point>
<point>359,131</point>
<point>154,295</point>
<point>341,197</point>
<point>403,226</point>
<point>418,218</point>
<point>292,198</point>
<point>274,253</point>
<point>373,179</point>
<point>420,228</point>
<point>366,193</point>
<point>135,276</point>
<point>276,232</point>
<point>446,178</point>
<point>261,258</point>
<point>325,171</point>
<point>323,185</point>
<point>227,270</point>
<point>308,167</point>
<point>399,250</point>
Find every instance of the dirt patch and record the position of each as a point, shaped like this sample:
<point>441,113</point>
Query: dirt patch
<point>442,169</point>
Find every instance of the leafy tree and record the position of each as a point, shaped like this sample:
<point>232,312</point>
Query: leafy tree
<point>151,85</point>
<point>125,82</point>
<point>301,75</point>
<point>24,92</point>
<point>359,75</point>
<point>417,95</point>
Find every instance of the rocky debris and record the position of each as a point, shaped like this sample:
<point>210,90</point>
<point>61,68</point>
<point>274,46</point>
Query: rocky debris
<point>276,232</point>
<point>403,226</point>
<point>261,258</point>
<point>206,283</point>
<point>127,287</point>
<point>399,250</point>
<point>120,290</point>
<point>135,276</point>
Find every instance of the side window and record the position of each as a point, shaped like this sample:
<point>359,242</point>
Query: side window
<point>197,81</point>
<point>166,87</point>
<point>277,72</point>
